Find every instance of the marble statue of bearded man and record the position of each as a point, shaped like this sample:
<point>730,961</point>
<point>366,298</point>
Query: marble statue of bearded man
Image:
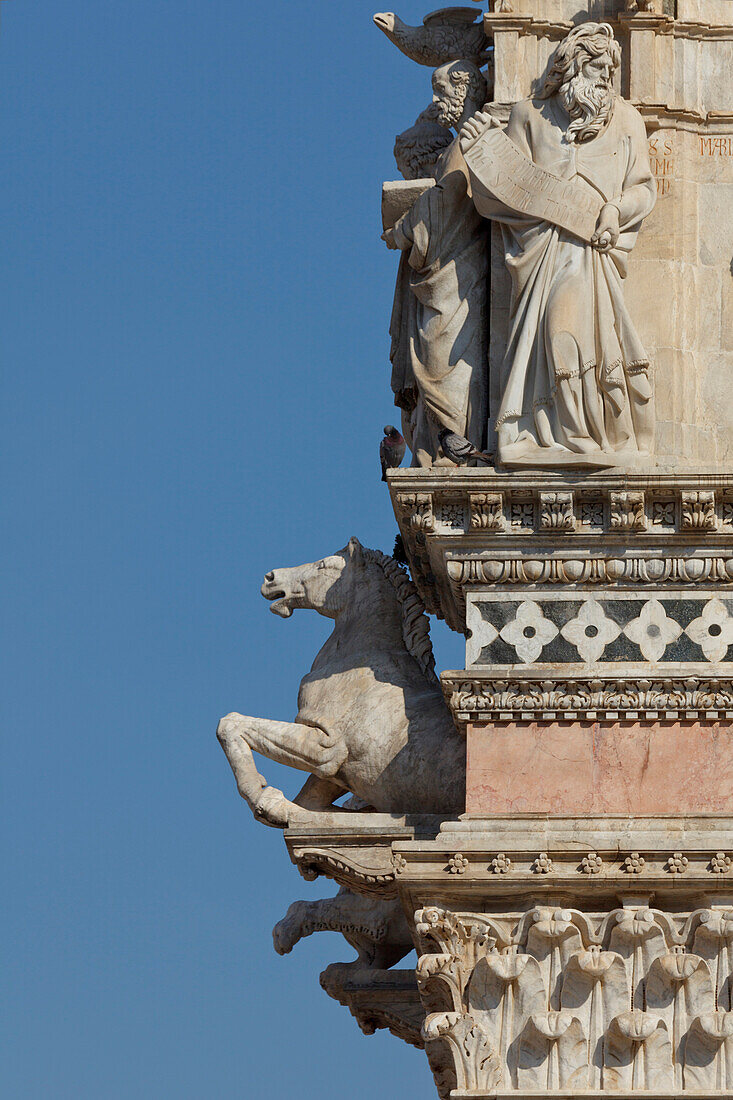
<point>575,379</point>
<point>440,319</point>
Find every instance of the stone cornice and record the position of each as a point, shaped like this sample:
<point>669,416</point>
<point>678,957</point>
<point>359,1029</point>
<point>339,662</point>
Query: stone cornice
<point>636,862</point>
<point>478,698</point>
<point>660,116</point>
<point>355,849</point>
<point>467,527</point>
<point>625,22</point>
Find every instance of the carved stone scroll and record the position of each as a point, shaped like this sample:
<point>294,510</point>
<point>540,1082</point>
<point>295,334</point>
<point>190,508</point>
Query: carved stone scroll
<point>499,170</point>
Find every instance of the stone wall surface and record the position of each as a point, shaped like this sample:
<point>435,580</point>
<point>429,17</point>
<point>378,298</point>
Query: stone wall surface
<point>597,768</point>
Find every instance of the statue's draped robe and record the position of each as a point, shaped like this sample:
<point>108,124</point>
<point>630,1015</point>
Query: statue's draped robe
<point>575,374</point>
<point>440,325</point>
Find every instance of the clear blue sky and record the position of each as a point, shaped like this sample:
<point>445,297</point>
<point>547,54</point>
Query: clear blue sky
<point>195,304</point>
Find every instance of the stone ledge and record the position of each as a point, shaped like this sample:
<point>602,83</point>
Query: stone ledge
<point>464,526</point>
<point>379,999</point>
<point>355,850</point>
<point>518,859</point>
<point>578,1094</point>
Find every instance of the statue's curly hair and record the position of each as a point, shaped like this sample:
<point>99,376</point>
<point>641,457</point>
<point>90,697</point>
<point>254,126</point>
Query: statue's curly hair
<point>469,78</point>
<point>587,41</point>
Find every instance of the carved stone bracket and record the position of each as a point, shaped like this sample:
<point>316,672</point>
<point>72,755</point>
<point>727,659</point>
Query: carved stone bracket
<point>418,509</point>
<point>627,511</point>
<point>379,999</point>
<point>487,511</point>
<point>698,512</point>
<point>355,850</point>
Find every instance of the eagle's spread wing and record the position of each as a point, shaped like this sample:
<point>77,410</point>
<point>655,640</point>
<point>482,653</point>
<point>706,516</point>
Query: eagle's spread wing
<point>455,17</point>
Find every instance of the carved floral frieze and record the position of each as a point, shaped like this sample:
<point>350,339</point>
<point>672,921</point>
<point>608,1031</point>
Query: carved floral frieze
<point>493,699</point>
<point>519,509</point>
<point>607,869</point>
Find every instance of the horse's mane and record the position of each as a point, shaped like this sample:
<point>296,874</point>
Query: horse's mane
<point>415,623</point>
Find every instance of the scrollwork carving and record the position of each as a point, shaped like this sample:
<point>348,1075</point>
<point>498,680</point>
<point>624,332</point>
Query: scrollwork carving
<point>313,862</point>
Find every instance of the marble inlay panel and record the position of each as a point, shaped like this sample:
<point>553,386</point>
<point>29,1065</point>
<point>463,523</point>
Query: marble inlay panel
<point>676,630</point>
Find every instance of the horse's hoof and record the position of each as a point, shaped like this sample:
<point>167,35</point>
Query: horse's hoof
<point>272,808</point>
<point>229,726</point>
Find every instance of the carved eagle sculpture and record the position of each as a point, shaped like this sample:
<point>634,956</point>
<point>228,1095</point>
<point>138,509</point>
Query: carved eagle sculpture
<point>451,34</point>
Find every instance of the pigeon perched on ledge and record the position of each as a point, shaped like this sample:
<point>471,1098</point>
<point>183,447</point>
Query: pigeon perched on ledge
<point>391,450</point>
<point>459,450</point>
<point>451,34</point>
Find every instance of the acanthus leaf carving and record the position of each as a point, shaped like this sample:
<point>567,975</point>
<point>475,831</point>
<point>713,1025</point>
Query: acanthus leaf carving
<point>487,511</point>
<point>698,511</point>
<point>475,1059</point>
<point>627,511</point>
<point>556,512</point>
<point>418,509</point>
<point>614,1002</point>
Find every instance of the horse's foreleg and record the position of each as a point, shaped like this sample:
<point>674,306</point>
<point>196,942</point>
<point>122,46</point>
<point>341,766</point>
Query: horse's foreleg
<point>266,803</point>
<point>298,746</point>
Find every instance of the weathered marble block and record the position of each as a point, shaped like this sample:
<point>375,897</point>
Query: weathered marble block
<point>646,767</point>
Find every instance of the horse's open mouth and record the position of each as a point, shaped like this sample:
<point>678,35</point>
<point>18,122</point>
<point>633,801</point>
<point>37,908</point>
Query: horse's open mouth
<point>279,599</point>
<point>281,607</point>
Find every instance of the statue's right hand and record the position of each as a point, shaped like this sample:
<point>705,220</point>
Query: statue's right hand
<point>475,126</point>
<point>388,238</point>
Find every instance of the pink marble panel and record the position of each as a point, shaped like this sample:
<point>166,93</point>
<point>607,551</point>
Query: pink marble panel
<point>600,767</point>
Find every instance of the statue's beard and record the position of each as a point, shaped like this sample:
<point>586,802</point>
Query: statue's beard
<point>589,104</point>
<point>448,112</point>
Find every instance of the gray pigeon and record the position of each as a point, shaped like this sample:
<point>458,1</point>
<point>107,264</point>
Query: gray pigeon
<point>451,34</point>
<point>391,450</point>
<point>459,450</point>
